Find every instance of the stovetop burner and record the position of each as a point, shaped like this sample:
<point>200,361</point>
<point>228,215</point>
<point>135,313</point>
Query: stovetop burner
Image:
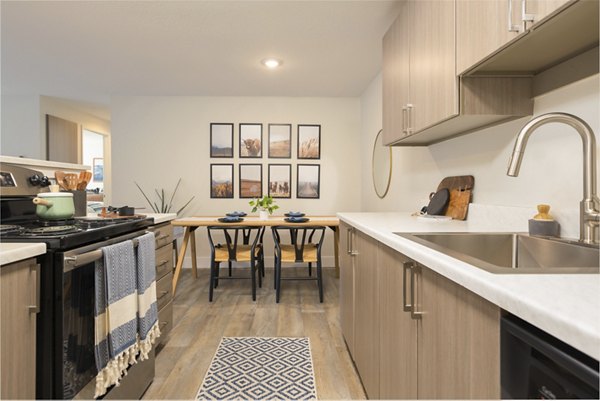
<point>55,223</point>
<point>9,228</point>
<point>52,230</point>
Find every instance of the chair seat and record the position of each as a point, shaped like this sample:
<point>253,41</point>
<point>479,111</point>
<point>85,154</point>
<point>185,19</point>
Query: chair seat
<point>288,253</point>
<point>242,253</point>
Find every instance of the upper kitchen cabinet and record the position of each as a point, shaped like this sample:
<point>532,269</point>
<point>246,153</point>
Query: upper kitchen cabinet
<point>424,100</point>
<point>544,34</point>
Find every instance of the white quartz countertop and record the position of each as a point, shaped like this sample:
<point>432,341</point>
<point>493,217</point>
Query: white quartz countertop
<point>161,217</point>
<point>14,252</point>
<point>564,305</point>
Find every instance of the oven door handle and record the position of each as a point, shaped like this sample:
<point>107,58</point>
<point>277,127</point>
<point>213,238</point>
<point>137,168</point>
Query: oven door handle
<point>72,262</point>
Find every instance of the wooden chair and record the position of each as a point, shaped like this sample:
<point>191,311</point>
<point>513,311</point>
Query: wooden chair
<point>233,250</point>
<point>301,249</point>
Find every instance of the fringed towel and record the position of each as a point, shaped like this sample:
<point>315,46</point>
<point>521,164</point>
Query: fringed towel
<point>125,312</point>
<point>146,291</point>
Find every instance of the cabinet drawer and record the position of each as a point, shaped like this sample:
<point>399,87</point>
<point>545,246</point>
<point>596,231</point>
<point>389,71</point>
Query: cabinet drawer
<point>165,321</point>
<point>163,234</point>
<point>164,261</point>
<point>164,288</point>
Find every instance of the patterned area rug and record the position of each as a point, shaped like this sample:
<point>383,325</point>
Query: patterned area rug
<point>260,368</point>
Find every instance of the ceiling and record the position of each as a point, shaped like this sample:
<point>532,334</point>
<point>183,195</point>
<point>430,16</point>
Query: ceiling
<point>87,51</point>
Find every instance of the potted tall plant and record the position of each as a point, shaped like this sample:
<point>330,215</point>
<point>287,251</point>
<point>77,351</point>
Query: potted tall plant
<point>265,206</point>
<point>163,205</point>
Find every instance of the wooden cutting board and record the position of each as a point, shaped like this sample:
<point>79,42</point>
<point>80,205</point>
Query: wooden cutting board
<point>461,188</point>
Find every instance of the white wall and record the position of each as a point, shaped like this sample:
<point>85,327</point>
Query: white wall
<point>157,140</point>
<point>21,126</point>
<point>551,171</point>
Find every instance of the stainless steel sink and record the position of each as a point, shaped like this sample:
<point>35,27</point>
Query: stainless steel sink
<point>514,253</point>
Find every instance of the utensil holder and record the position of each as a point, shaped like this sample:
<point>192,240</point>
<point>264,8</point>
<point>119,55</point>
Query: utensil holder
<point>80,202</point>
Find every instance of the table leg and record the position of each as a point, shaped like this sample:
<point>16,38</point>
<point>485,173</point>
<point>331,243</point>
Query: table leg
<point>186,239</point>
<point>336,249</point>
<point>194,262</point>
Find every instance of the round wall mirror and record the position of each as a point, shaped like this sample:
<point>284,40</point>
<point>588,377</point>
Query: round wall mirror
<point>382,166</point>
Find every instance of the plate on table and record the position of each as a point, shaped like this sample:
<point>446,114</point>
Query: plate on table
<point>236,214</point>
<point>294,214</point>
<point>231,219</point>
<point>296,219</point>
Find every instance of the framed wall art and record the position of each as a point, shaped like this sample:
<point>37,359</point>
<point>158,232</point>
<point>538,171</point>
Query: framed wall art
<point>221,140</point>
<point>221,180</point>
<point>251,140</point>
<point>98,169</point>
<point>308,181</point>
<point>280,141</point>
<point>280,180</point>
<point>309,141</point>
<point>251,181</point>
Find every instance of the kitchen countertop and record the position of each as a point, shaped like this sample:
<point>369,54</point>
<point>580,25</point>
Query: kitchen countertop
<point>564,305</point>
<point>14,252</point>
<point>161,217</point>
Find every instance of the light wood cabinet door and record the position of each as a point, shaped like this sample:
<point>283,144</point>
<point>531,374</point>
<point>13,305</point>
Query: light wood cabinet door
<point>539,9</point>
<point>395,77</point>
<point>398,332</point>
<point>482,27</point>
<point>17,358</point>
<point>433,89</point>
<point>346,286</point>
<point>366,323</point>
<point>459,341</point>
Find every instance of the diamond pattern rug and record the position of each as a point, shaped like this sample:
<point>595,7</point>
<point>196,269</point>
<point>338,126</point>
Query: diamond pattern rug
<point>260,368</point>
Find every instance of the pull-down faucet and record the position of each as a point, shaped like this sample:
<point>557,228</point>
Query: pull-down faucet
<point>589,211</point>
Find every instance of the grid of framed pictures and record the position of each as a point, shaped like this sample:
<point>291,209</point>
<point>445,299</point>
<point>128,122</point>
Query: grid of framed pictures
<point>279,146</point>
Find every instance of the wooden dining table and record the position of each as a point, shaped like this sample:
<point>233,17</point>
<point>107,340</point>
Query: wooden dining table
<point>192,223</point>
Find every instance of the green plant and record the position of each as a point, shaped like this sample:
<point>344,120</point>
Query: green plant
<point>265,203</point>
<point>162,206</point>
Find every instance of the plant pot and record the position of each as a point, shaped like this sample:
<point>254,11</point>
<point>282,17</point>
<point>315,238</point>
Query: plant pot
<point>263,215</point>
<point>54,205</point>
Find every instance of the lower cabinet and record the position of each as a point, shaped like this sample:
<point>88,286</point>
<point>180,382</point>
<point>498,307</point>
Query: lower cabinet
<point>417,334</point>
<point>19,300</point>
<point>164,279</point>
<point>347,287</point>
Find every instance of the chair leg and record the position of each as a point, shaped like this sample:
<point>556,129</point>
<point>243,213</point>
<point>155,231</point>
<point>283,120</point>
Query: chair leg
<point>310,269</point>
<point>253,272</point>
<point>320,280</point>
<point>217,268</point>
<point>211,282</point>
<point>230,270</point>
<point>277,281</point>
<point>275,273</point>
<point>259,272</point>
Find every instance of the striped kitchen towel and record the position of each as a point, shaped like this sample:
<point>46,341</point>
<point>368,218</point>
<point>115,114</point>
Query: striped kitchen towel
<point>116,323</point>
<point>146,292</point>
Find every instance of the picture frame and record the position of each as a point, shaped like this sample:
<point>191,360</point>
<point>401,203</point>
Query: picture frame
<point>251,140</point>
<point>221,181</point>
<point>308,181</point>
<point>280,141</point>
<point>280,180</point>
<point>98,169</point>
<point>221,140</point>
<point>250,181</point>
<point>309,141</point>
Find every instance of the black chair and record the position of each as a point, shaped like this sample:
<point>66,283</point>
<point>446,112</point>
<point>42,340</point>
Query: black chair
<point>233,250</point>
<point>301,249</point>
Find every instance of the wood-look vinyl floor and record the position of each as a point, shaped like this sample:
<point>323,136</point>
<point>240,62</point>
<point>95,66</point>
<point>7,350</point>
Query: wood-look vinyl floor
<point>199,325</point>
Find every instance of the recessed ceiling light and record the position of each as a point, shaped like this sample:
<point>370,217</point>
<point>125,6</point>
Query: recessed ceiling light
<point>271,63</point>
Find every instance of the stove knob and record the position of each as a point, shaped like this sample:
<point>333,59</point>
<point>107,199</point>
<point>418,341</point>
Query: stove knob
<point>45,181</point>
<point>35,180</point>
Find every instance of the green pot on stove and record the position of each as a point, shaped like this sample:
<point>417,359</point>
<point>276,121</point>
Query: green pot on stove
<point>54,205</point>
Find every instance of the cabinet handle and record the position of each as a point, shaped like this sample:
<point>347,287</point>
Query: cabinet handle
<point>36,277</point>
<point>405,267</point>
<point>524,16</point>
<point>404,120</point>
<point>163,324</point>
<point>353,252</point>
<point>413,313</point>
<point>409,109</point>
<point>163,294</point>
<point>164,262</point>
<point>348,249</point>
<point>511,27</point>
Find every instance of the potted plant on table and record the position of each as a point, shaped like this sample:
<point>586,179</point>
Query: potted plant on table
<point>265,206</point>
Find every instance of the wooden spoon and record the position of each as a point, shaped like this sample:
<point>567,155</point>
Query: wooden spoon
<point>60,179</point>
<point>71,180</point>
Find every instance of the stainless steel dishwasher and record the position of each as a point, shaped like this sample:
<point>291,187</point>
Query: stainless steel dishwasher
<point>536,365</point>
